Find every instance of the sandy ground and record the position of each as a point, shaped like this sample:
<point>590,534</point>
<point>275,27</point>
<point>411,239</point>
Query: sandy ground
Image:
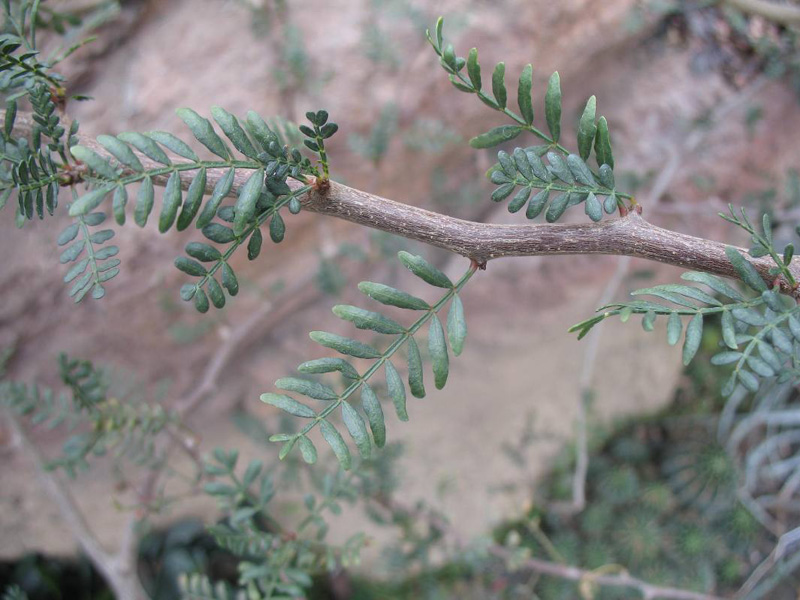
<point>519,358</point>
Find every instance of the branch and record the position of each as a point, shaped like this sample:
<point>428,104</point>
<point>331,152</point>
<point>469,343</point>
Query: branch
<point>648,591</point>
<point>481,242</point>
<point>542,567</point>
<point>124,583</point>
<point>784,14</point>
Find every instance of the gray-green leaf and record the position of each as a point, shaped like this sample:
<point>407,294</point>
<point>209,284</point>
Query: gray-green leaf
<point>495,136</point>
<point>334,439</point>
<point>397,390</point>
<point>289,405</point>
<point>437,349</point>
<point>424,270</point>
<point>694,334</point>
<point>552,106</point>
<point>372,408</point>
<point>358,430</point>
<point>456,326</point>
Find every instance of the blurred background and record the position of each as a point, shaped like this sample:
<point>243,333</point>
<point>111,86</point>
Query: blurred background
<point>702,102</point>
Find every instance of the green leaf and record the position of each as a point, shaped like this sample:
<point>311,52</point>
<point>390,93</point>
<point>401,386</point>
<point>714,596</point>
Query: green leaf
<point>729,330</point>
<point>749,316</point>
<point>260,131</point>
<point>121,152</point>
<point>204,132</point>
<point>725,358</point>
<point>358,430</point>
<point>674,329</point>
<point>372,408</point>
<point>95,162</point>
<point>675,292</point>
<point>537,203</point>
<point>781,340</point>
<point>495,136</point>
<point>173,143</point>
<point>760,367</point>
<point>10,116</point>
<point>145,145</point>
<point>219,233</point>
<point>277,228</point>
<point>144,202</point>
<point>289,405</point>
<point>610,204</point>
<point>203,252</point>
<point>552,106</point>
<point>519,199</point>
<point>68,234</point>
<point>794,327</point>
<point>748,380</point>
<point>474,69</point>
<point>89,201</point>
<point>557,208</point>
<point>438,352</point>
<point>307,450</point>
<point>286,448</point>
<point>424,270</point>
<point>602,144</point>
<point>245,208</point>
<point>559,168</point>
<point>397,391</point>
<point>312,389</point>
<point>606,175</point>
<point>221,189</point>
<point>587,129</point>
<point>254,245</point>
<point>118,204</point>
<point>456,326</point>
<point>172,202</point>
<point>194,198</point>
<point>329,365</point>
<point>190,267</point>
<point>391,296</point>
<point>580,170</point>
<point>594,209</point>
<point>498,84</point>
<point>344,345</point>
<point>745,270</point>
<point>231,127</point>
<point>366,319</point>
<point>334,439</point>
<point>229,281</point>
<point>415,374</point>
<point>715,283</point>
<point>524,94</point>
<point>694,334</point>
<point>503,192</point>
<point>648,321</point>
<point>215,293</point>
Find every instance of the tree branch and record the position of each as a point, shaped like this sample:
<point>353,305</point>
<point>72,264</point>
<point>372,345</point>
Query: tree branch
<point>626,236</point>
<point>124,583</point>
<point>784,14</point>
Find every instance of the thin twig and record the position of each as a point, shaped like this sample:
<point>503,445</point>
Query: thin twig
<point>125,584</point>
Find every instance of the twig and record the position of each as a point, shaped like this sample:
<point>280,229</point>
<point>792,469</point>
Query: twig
<point>115,571</point>
<point>648,591</point>
<point>543,567</point>
<point>785,14</point>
